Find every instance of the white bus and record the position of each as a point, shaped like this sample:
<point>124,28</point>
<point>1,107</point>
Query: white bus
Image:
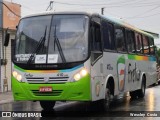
<point>80,57</point>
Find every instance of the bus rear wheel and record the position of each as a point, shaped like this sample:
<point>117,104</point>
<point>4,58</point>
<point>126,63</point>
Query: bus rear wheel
<point>141,92</point>
<point>133,94</point>
<point>47,105</point>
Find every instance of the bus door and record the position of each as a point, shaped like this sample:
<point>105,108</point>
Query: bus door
<point>96,59</point>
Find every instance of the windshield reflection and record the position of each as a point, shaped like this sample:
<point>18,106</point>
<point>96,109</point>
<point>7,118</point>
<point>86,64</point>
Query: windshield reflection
<point>66,39</point>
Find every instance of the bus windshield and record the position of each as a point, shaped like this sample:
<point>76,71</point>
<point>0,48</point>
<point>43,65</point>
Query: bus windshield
<point>52,39</point>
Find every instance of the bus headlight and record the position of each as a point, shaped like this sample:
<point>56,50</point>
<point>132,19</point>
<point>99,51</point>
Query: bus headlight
<point>17,76</point>
<point>77,77</point>
<point>14,73</point>
<point>81,74</point>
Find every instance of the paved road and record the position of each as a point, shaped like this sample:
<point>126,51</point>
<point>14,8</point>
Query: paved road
<point>119,108</point>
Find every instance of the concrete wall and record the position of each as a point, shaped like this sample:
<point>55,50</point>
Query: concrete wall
<point>6,69</point>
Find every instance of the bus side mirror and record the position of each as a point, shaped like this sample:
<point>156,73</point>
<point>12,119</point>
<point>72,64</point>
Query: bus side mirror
<point>7,37</point>
<point>13,42</point>
<point>4,61</point>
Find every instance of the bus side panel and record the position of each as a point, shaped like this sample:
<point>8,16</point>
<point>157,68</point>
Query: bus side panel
<point>97,80</point>
<point>138,66</point>
<point>153,70</point>
<point>110,68</point>
<point>127,70</point>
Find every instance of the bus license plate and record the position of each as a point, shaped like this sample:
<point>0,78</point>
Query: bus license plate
<point>45,89</point>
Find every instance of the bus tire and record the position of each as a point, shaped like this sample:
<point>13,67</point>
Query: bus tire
<point>47,105</point>
<point>105,103</point>
<point>141,92</point>
<point>133,94</point>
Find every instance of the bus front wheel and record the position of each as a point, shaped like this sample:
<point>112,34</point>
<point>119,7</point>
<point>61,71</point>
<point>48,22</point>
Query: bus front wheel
<point>105,103</point>
<point>47,105</point>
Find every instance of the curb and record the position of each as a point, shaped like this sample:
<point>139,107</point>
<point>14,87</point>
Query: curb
<point>6,97</point>
<point>6,101</point>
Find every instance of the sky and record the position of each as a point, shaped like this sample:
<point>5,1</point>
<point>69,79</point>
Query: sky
<point>144,14</point>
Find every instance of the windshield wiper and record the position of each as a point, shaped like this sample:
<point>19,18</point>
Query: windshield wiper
<point>38,48</point>
<point>56,41</point>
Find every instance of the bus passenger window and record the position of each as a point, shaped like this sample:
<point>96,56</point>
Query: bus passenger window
<point>120,40</point>
<point>96,37</point>
<point>151,46</point>
<point>145,45</point>
<point>108,35</point>
<point>138,41</point>
<point>96,44</point>
<point>130,41</point>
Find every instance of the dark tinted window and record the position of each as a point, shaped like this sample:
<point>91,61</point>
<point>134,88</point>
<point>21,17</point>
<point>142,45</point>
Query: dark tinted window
<point>130,41</point>
<point>145,44</point>
<point>138,40</point>
<point>108,36</point>
<point>151,44</point>
<point>96,37</point>
<point>120,40</point>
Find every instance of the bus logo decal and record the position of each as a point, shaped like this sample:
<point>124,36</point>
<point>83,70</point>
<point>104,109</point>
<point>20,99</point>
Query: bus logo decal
<point>46,79</point>
<point>121,68</point>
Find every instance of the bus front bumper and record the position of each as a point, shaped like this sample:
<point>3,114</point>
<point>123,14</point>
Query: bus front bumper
<point>70,91</point>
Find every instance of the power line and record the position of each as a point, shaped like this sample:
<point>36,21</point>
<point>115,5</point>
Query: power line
<point>146,16</point>
<point>10,9</point>
<point>122,3</point>
<point>139,15</point>
<point>109,5</point>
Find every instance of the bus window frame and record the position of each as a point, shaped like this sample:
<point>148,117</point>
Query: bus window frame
<point>153,46</point>
<point>98,52</point>
<point>123,29</point>
<point>126,29</point>
<point>137,33</point>
<point>101,42</point>
<point>146,54</point>
<point>112,24</point>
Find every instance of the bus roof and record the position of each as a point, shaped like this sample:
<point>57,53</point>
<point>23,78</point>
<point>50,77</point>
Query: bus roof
<point>52,12</point>
<point>108,18</point>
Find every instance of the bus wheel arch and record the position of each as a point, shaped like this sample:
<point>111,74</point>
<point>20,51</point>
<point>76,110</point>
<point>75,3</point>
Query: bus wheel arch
<point>110,81</point>
<point>109,92</point>
<point>141,91</point>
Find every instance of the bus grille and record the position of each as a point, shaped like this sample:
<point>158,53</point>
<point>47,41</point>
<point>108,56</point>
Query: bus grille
<point>55,80</point>
<point>53,93</point>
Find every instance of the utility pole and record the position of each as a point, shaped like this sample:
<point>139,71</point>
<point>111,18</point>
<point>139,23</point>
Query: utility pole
<point>50,5</point>
<point>1,29</point>
<point>102,10</point>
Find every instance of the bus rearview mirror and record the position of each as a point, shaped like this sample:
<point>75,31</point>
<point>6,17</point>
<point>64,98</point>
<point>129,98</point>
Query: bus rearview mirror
<point>13,42</point>
<point>7,37</point>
